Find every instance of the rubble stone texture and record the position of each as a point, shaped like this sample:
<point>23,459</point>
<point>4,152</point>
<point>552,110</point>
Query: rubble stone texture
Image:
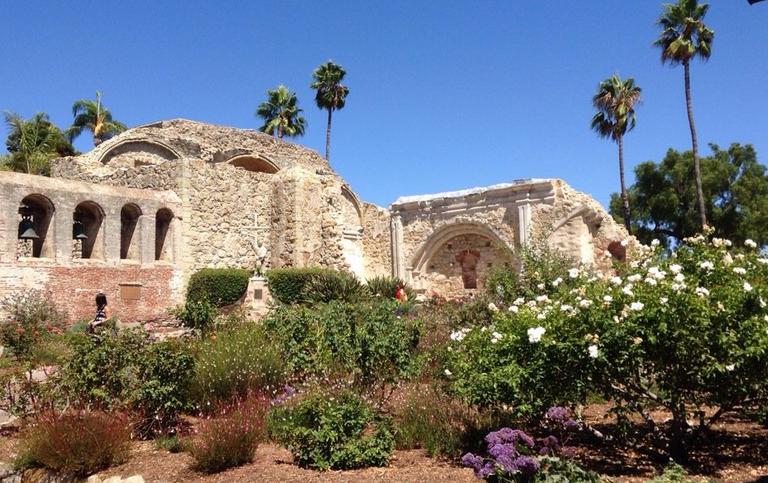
<point>160,201</point>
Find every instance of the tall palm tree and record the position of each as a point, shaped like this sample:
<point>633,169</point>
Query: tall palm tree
<point>615,103</point>
<point>33,142</point>
<point>683,37</point>
<point>281,113</point>
<point>331,93</point>
<point>92,115</point>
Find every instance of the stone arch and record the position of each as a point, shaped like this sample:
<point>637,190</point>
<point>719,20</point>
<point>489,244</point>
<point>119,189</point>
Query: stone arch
<point>573,234</point>
<point>39,209</point>
<point>130,232</point>
<point>458,256</point>
<point>164,222</point>
<point>254,163</point>
<point>151,151</point>
<point>354,200</point>
<point>88,231</point>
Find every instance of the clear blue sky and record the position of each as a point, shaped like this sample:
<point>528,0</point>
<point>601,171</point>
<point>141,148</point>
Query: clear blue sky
<point>444,94</point>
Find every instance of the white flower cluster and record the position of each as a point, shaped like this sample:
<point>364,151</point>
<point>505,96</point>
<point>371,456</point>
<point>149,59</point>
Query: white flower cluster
<point>535,334</point>
<point>459,335</point>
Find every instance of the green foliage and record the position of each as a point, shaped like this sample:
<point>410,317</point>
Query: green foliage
<point>735,187</point>
<point>92,115</point>
<point>683,32</point>
<point>368,342</point>
<point>383,286</point>
<point>673,473</point>
<point>332,431</point>
<point>686,332</point>
<point>169,442</point>
<point>30,319</point>
<point>560,470</point>
<point>197,314</point>
<point>230,439</point>
<point>542,268</point>
<point>235,362</point>
<point>76,443</point>
<point>281,113</point>
<point>33,142</point>
<point>218,286</point>
<point>125,370</point>
<point>287,284</point>
<point>332,285</point>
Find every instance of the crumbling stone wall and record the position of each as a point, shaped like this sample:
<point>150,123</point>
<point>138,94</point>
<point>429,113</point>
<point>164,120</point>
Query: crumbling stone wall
<point>376,241</point>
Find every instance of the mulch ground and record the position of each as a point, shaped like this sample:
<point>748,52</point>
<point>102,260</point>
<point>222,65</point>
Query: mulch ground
<point>735,451</point>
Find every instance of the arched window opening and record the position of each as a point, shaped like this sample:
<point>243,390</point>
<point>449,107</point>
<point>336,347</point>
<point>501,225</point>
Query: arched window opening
<point>87,231</point>
<point>254,164</point>
<point>35,219</point>
<point>163,235</point>
<point>130,244</point>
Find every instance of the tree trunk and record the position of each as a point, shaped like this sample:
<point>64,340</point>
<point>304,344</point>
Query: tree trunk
<point>328,137</point>
<point>279,131</point>
<point>695,146</point>
<point>624,197</point>
<point>678,439</point>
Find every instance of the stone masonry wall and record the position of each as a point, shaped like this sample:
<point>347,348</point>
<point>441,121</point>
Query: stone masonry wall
<point>377,248</point>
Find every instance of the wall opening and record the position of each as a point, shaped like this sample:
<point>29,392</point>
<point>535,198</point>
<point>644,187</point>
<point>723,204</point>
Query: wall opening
<point>88,231</point>
<point>163,235</point>
<point>130,244</point>
<point>254,164</point>
<point>35,219</point>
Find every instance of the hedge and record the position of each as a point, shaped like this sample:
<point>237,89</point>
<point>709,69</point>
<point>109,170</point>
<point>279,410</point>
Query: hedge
<point>287,284</point>
<point>218,286</point>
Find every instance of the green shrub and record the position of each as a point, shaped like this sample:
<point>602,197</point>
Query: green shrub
<point>197,314</point>
<point>75,443</point>
<point>685,332</point>
<point>230,439</point>
<point>331,285</point>
<point>673,473</point>
<point>368,342</point>
<point>287,284</point>
<point>332,431</point>
<point>235,362</point>
<point>31,318</point>
<point>127,371</point>
<point>169,442</point>
<point>383,286</point>
<point>218,286</point>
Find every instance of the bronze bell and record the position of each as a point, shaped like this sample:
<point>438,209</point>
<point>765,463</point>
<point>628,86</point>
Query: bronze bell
<point>26,225</point>
<point>78,230</point>
<point>27,229</point>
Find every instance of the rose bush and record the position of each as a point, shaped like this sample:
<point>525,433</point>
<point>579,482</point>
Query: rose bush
<point>685,331</point>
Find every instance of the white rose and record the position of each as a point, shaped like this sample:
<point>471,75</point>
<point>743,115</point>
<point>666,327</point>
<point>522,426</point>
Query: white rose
<point>593,352</point>
<point>535,334</point>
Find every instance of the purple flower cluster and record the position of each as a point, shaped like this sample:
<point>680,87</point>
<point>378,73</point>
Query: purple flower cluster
<point>506,458</point>
<point>561,416</point>
<point>287,393</point>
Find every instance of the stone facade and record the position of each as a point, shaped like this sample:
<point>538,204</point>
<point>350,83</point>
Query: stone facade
<point>158,202</point>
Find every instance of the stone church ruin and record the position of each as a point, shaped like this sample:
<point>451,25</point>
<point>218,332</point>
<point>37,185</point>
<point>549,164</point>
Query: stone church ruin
<point>137,215</point>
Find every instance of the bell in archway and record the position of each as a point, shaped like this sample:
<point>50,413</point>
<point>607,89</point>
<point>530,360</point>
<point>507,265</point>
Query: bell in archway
<point>78,230</point>
<point>27,229</point>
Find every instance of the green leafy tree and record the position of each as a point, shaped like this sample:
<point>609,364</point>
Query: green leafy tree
<point>735,187</point>
<point>615,102</point>
<point>92,115</point>
<point>281,113</point>
<point>331,93</point>
<point>33,142</point>
<point>683,37</point>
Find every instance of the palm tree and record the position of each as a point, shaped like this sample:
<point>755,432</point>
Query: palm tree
<point>93,116</point>
<point>33,142</point>
<point>683,37</point>
<point>615,103</point>
<point>331,93</point>
<point>281,113</point>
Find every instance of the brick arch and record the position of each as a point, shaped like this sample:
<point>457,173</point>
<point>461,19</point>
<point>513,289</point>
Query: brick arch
<point>445,233</point>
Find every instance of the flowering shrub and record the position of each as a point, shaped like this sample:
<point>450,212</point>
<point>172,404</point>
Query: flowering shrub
<point>687,332</point>
<point>431,420</point>
<point>332,431</point>
<point>515,456</point>
<point>368,342</point>
<point>75,442</point>
<point>230,438</point>
<point>31,317</point>
<point>234,362</point>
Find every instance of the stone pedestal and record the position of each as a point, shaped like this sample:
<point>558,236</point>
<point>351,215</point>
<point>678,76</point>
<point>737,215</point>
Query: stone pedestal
<point>257,297</point>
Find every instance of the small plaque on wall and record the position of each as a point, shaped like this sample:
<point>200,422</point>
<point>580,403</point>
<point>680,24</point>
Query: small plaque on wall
<point>130,291</point>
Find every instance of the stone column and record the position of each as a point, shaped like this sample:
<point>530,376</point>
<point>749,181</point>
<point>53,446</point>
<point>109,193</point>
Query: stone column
<point>146,227</point>
<point>396,234</point>
<point>524,221</point>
